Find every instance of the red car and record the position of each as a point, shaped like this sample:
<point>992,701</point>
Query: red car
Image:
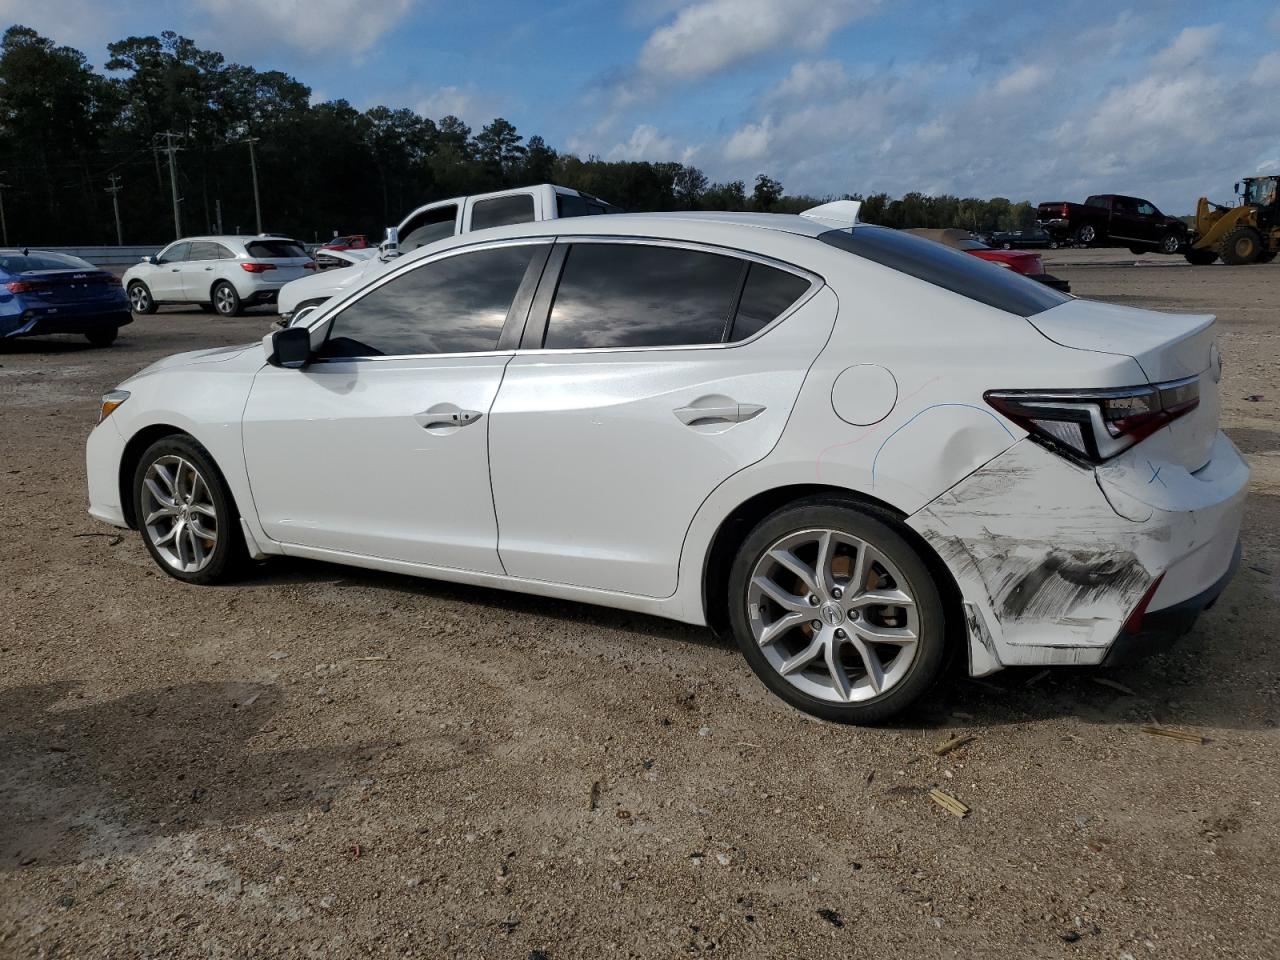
<point>356,241</point>
<point>1019,261</point>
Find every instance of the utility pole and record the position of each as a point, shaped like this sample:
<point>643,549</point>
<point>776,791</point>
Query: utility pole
<point>253,165</point>
<point>170,149</point>
<point>4,225</point>
<point>217,207</point>
<point>114,190</point>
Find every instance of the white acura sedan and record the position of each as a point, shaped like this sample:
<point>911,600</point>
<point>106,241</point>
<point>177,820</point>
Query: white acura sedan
<point>857,451</point>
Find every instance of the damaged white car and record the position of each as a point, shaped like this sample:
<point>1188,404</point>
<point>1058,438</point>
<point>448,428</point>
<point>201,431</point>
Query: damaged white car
<point>854,450</point>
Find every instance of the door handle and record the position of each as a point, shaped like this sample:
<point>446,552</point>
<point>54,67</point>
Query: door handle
<point>434,419</point>
<point>694,415</point>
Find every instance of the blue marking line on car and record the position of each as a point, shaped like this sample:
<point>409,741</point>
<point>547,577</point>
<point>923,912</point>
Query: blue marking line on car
<point>1155,474</point>
<point>932,406</point>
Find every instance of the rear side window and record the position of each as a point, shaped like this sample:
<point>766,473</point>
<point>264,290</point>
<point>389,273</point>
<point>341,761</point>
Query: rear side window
<point>275,249</point>
<point>950,269</point>
<point>455,305</point>
<point>500,211</point>
<point>206,250</point>
<point>636,295</point>
<point>766,295</point>
<point>569,205</point>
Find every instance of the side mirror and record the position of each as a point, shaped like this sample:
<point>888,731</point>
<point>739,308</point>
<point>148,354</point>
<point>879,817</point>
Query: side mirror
<point>390,247</point>
<point>290,347</point>
<point>150,259</point>
<point>1237,188</point>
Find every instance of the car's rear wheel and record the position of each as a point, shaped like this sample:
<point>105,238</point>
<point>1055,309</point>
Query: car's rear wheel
<point>102,338</point>
<point>836,611</point>
<point>1086,235</point>
<point>185,512</point>
<point>140,298</point>
<point>225,299</point>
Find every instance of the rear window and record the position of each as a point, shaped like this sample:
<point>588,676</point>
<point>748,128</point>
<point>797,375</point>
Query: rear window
<point>569,205</point>
<point>23,262</point>
<point>501,211</point>
<point>950,269</point>
<point>275,249</point>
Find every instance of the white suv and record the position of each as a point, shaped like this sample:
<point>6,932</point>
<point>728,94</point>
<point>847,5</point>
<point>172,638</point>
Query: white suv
<point>225,274</point>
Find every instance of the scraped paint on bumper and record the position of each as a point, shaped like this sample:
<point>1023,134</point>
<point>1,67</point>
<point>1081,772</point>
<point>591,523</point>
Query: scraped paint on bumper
<point>1052,558</point>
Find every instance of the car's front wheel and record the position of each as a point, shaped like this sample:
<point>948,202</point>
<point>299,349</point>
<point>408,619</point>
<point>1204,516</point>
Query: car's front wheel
<point>140,298</point>
<point>837,612</point>
<point>1171,243</point>
<point>186,513</point>
<point>225,299</point>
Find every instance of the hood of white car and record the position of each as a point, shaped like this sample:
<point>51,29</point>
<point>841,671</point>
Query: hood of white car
<point>196,357</point>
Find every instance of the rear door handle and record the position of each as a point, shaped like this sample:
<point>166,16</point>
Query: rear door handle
<point>434,419</point>
<point>694,415</point>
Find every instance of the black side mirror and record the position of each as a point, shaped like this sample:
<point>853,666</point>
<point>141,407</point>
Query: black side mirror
<point>1237,186</point>
<point>290,347</point>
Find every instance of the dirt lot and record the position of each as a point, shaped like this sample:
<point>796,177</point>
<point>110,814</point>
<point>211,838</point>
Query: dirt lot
<point>326,762</point>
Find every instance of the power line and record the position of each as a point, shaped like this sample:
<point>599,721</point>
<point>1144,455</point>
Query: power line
<point>114,190</point>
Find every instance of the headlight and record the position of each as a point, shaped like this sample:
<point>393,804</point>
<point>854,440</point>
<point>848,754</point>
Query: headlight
<point>110,401</point>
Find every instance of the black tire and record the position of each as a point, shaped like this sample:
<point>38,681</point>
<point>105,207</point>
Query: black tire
<point>1172,243</point>
<point>225,299</point>
<point>1266,257</point>
<point>140,299</point>
<point>1137,251</point>
<point>875,527</point>
<point>1200,257</point>
<point>1053,245</point>
<point>102,338</point>
<point>205,307</point>
<point>1087,235</point>
<point>228,556</point>
<point>1241,246</point>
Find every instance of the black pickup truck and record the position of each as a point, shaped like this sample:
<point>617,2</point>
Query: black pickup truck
<point>1112,220</point>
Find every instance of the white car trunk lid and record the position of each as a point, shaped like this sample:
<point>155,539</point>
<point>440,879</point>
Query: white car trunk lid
<point>1168,346</point>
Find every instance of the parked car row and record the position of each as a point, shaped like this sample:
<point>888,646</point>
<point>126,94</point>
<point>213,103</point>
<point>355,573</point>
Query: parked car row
<point>42,292</point>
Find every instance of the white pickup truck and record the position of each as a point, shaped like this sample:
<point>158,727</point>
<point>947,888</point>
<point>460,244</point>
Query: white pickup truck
<point>445,218</point>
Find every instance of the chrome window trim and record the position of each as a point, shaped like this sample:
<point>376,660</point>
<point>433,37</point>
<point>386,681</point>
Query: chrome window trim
<point>401,270</point>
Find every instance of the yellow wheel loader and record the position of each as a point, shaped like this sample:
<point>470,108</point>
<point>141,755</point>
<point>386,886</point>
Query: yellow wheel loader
<point>1246,233</point>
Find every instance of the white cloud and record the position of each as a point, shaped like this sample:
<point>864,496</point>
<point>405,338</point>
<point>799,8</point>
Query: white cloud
<point>1188,48</point>
<point>1267,71</point>
<point>1023,80</point>
<point>711,35</point>
<point>751,142</point>
<point>317,29</point>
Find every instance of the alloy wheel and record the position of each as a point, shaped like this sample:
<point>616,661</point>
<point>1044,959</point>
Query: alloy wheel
<point>139,299</point>
<point>180,518</point>
<point>224,300</point>
<point>833,615</point>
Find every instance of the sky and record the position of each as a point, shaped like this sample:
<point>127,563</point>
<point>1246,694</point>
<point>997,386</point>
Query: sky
<point>1163,99</point>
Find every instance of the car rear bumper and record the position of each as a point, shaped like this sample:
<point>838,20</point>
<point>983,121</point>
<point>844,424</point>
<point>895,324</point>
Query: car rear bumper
<point>1052,559</point>
<point>37,322</point>
<point>1160,629</point>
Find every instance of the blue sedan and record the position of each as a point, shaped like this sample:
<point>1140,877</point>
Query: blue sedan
<point>43,292</point>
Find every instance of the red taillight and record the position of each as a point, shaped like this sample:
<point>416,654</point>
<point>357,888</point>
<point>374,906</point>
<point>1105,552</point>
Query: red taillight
<point>248,267</point>
<point>309,265</point>
<point>1134,623</point>
<point>1064,211</point>
<point>1096,425</point>
<point>26,286</point>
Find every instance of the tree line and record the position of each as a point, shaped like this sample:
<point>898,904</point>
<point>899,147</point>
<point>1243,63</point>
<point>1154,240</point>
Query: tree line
<point>71,135</point>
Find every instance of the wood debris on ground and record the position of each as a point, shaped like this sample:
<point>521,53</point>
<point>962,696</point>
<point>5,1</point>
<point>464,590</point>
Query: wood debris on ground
<point>955,743</point>
<point>948,803</point>
<point>1173,734</point>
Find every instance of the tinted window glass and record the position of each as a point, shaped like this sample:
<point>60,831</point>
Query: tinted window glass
<point>275,249</point>
<point>455,305</point>
<point>633,295</point>
<point>19,263</point>
<point>950,269</point>
<point>204,250</point>
<point>502,210</point>
<point>766,296</point>
<point>175,253</point>
<point>428,227</point>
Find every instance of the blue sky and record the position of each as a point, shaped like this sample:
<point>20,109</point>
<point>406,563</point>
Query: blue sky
<point>1164,98</point>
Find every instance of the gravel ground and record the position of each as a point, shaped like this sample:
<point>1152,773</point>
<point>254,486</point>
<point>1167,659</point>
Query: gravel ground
<point>328,762</point>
